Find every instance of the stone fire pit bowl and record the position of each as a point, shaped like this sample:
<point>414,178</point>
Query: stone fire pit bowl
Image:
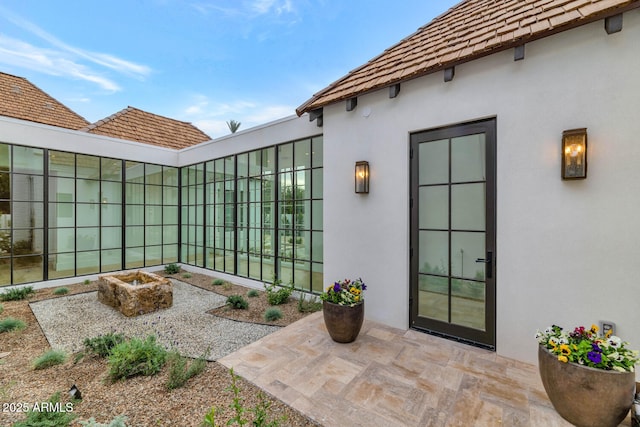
<point>135,292</point>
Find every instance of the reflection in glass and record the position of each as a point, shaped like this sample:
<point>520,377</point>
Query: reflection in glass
<point>433,207</point>
<point>433,297</point>
<point>465,249</point>
<point>468,207</point>
<point>468,303</point>
<point>468,158</point>
<point>434,162</point>
<point>434,252</point>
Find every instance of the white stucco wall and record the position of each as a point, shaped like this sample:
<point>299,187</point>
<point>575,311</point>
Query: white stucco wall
<point>567,252</point>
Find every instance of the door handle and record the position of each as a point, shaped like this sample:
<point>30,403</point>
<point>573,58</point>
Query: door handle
<point>489,262</point>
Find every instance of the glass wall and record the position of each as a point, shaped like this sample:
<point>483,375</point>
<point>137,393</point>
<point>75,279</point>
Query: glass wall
<point>22,219</point>
<point>256,214</point>
<point>65,214</point>
<point>263,214</point>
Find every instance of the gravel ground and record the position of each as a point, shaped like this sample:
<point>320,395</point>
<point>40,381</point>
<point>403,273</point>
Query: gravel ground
<point>185,326</point>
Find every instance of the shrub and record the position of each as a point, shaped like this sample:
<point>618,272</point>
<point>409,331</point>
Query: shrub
<point>172,268</point>
<point>272,314</point>
<point>179,373</point>
<point>187,275</point>
<point>1,308</point>
<point>136,357</point>
<point>118,421</point>
<point>277,296</point>
<point>49,415</point>
<point>308,305</point>
<point>261,411</point>
<point>61,291</point>
<point>237,301</point>
<point>49,358</point>
<point>17,294</point>
<point>218,282</point>
<point>227,286</point>
<point>9,324</point>
<point>103,344</point>
<point>253,293</point>
<point>87,282</point>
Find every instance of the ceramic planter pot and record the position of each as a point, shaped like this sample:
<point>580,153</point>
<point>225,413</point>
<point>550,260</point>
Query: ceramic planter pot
<point>585,396</point>
<point>343,322</point>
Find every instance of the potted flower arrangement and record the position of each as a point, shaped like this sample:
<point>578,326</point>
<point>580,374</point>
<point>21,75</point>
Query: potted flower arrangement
<point>588,377</point>
<point>343,309</point>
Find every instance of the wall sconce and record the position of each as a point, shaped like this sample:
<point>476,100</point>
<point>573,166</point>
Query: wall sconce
<point>362,177</point>
<point>574,154</point>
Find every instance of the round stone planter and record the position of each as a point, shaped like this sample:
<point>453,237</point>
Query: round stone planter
<point>343,322</point>
<point>585,396</point>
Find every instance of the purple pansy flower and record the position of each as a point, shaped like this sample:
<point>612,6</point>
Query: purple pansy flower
<point>595,357</point>
<point>336,287</point>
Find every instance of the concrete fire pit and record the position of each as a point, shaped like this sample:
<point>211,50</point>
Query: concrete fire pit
<point>135,292</point>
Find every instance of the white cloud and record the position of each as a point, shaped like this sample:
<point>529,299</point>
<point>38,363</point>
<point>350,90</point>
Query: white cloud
<point>20,54</point>
<point>61,59</point>
<point>212,117</point>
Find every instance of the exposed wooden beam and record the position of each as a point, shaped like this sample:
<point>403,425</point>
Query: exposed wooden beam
<point>518,53</point>
<point>352,103</point>
<point>314,114</point>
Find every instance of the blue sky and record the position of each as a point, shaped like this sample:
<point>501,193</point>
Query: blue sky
<point>201,61</point>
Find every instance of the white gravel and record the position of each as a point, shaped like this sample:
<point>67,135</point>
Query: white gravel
<point>186,326</point>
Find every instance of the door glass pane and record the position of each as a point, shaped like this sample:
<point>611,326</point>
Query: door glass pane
<point>433,297</point>
<point>468,158</point>
<point>468,207</point>
<point>466,248</point>
<point>433,208</point>
<point>467,303</point>
<point>434,252</point>
<point>434,162</point>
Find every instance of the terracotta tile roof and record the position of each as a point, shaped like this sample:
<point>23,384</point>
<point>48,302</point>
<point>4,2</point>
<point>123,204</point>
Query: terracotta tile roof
<point>467,31</point>
<point>21,99</point>
<point>140,126</point>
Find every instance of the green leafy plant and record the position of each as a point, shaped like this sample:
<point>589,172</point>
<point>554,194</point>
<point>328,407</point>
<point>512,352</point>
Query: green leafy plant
<point>87,282</point>
<point>310,305</point>
<point>238,302</point>
<point>103,344</point>
<point>1,308</point>
<point>61,291</point>
<point>345,292</point>
<point>49,358</point>
<point>53,414</point>
<point>9,324</point>
<point>585,347</point>
<point>172,268</point>
<point>136,357</point>
<point>227,286</point>
<point>272,314</point>
<point>179,372</point>
<point>253,293</point>
<point>187,275</point>
<point>276,293</point>
<point>210,418</point>
<point>17,294</point>
<point>218,282</point>
<point>118,421</point>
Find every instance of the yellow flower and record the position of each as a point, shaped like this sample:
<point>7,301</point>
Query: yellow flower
<point>609,333</point>
<point>565,350</point>
<point>356,298</point>
<point>594,329</point>
<point>354,290</point>
<point>563,359</point>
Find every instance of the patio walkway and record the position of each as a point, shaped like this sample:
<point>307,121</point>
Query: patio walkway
<point>391,377</point>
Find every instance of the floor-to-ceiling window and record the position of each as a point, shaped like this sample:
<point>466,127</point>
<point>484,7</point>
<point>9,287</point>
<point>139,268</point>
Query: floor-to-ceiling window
<point>263,213</point>
<point>21,214</point>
